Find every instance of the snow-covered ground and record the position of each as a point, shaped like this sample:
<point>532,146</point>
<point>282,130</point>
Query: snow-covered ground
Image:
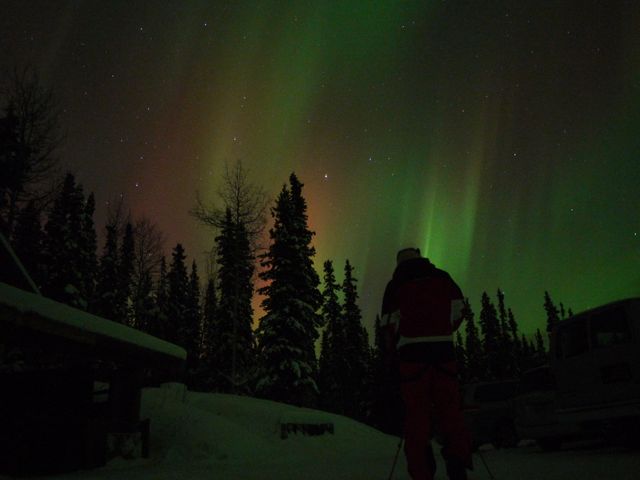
<point>204,436</point>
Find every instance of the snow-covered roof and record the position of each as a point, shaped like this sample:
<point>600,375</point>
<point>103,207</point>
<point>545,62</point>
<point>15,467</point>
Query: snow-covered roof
<point>41,314</point>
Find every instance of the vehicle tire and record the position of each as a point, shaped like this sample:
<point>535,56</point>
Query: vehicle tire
<point>505,435</point>
<point>549,444</point>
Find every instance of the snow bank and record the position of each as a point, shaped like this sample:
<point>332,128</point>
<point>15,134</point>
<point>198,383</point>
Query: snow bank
<point>241,434</point>
<point>197,436</point>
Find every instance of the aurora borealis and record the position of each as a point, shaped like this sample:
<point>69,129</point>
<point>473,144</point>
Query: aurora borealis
<point>503,139</point>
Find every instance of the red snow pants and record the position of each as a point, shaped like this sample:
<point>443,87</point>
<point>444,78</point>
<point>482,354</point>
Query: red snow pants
<point>431,396</point>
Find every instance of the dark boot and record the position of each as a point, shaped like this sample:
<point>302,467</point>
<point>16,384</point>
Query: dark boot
<point>456,470</point>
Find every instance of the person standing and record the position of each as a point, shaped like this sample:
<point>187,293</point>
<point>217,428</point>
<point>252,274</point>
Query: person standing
<point>421,309</point>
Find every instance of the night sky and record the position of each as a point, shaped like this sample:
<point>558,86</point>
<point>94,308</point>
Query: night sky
<point>502,138</point>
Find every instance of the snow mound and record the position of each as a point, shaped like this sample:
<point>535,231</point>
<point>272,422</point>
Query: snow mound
<point>199,436</point>
<point>232,434</point>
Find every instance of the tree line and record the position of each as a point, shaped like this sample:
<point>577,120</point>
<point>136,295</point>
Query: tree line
<point>130,280</point>
<point>494,348</point>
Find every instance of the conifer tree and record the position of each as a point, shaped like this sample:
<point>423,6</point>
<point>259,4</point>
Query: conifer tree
<point>326,381</point>
<point>504,345</point>
<point>503,319</point>
<point>502,314</point>
<point>490,328</point>
<point>178,283</point>
<point>516,346</point>
<point>105,302</point>
<point>88,244</point>
<point>525,353</point>
<point>357,348</point>
<point>62,243</point>
<point>160,326</point>
<point>125,274</point>
<point>288,331</point>
<point>552,312</point>
<point>541,352</point>
<point>475,361</point>
<point>209,340</point>
<point>143,305</point>
<point>235,314</point>
<point>192,324</point>
<point>333,343</point>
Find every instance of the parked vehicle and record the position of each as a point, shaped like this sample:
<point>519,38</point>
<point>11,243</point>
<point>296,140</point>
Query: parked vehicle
<point>489,412</point>
<point>595,364</point>
<point>535,407</point>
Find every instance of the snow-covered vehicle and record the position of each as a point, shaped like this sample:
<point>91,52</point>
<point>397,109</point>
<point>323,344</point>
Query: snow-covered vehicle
<point>595,364</point>
<point>489,412</point>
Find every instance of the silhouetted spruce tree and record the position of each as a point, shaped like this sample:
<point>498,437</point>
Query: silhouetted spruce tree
<point>368,385</point>
<point>178,282</point>
<point>565,313</point>
<point>326,385</point>
<point>124,312</point>
<point>64,280</point>
<point>208,365</point>
<point>475,360</point>
<point>461,356</point>
<point>541,352</point>
<point>88,246</point>
<point>526,360</point>
<point>28,240</point>
<point>509,342</point>
<point>533,358</point>
<point>143,304</point>
<point>490,327</point>
<point>236,349</point>
<point>552,312</point>
<point>105,301</point>
<point>288,331</point>
<point>332,345</point>
<point>191,332</point>
<point>515,343</point>
<point>160,319</point>
<point>357,348</point>
<point>504,338</point>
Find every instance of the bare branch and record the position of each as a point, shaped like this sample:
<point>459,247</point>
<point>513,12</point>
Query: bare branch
<point>247,201</point>
<point>118,214</point>
<point>29,135</point>
<point>149,247</point>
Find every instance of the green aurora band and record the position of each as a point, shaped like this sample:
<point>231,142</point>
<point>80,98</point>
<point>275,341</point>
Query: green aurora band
<point>502,140</point>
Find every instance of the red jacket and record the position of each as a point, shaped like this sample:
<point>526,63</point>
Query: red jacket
<point>421,304</point>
